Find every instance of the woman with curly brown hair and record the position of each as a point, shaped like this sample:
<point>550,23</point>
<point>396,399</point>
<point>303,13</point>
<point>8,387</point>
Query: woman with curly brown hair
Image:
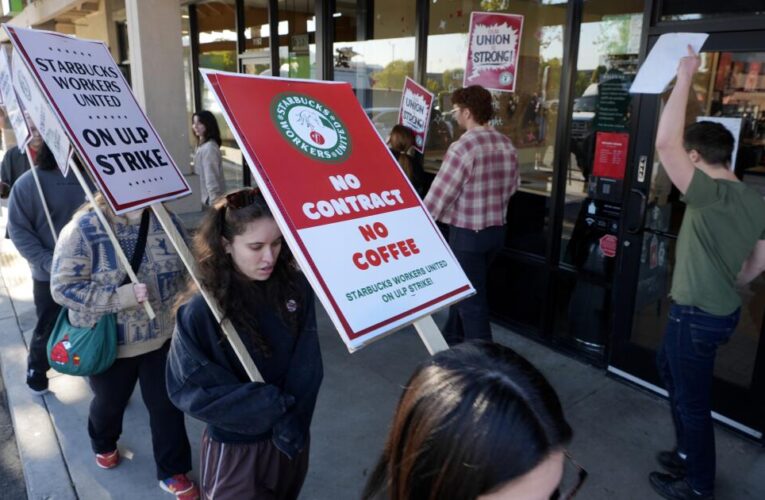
<point>256,441</point>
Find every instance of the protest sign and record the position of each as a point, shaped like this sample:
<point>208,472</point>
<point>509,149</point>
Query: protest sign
<point>12,109</point>
<point>358,230</point>
<point>414,111</point>
<point>105,124</point>
<point>494,43</point>
<point>660,67</point>
<point>39,111</point>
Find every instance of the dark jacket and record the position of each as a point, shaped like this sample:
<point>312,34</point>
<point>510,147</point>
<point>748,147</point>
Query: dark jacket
<point>27,223</point>
<point>206,380</point>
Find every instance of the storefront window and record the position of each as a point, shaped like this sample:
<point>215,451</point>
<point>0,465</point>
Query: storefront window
<point>527,115</point>
<point>374,52</point>
<point>256,59</point>
<point>187,69</point>
<point>683,10</point>
<point>217,50</point>
<point>608,59</point>
<point>297,39</point>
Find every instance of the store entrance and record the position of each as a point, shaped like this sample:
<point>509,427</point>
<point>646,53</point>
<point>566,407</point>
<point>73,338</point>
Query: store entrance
<point>730,85</point>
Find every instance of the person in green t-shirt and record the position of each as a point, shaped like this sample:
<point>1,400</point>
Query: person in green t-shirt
<point>721,245</point>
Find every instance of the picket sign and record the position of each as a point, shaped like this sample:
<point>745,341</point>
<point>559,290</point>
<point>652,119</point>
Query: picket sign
<point>188,259</point>
<point>307,142</point>
<point>92,136</point>
<point>112,237</point>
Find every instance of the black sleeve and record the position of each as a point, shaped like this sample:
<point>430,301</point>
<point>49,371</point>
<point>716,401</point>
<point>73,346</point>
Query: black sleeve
<point>304,378</point>
<point>210,392</point>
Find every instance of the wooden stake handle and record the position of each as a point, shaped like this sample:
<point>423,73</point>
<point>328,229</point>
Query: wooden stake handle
<point>188,259</point>
<point>42,195</point>
<point>430,335</point>
<point>108,228</point>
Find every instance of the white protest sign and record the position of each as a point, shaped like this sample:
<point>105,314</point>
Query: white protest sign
<point>102,118</point>
<point>414,111</point>
<point>733,125</point>
<point>39,111</point>
<point>12,109</point>
<point>660,67</point>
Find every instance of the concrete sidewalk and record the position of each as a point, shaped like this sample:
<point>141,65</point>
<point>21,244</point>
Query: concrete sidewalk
<point>617,428</point>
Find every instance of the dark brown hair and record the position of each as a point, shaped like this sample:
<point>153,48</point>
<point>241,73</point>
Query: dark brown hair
<point>400,141</point>
<point>470,420</point>
<point>711,140</point>
<point>240,297</point>
<point>477,99</point>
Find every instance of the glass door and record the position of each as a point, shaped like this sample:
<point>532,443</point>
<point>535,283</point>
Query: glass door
<point>730,84</point>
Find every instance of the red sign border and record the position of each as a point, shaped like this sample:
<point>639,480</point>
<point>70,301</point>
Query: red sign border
<point>259,172</point>
<point>11,30</point>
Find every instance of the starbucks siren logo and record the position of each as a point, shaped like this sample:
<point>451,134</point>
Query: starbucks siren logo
<point>311,127</point>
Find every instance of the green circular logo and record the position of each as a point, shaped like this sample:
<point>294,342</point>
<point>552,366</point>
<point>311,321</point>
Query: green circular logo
<point>311,127</point>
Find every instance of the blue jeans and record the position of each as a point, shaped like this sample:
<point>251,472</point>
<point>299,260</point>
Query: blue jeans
<point>686,362</point>
<point>475,251</point>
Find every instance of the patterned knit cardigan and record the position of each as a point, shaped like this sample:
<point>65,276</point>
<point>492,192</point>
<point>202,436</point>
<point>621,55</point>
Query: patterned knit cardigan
<point>86,277</point>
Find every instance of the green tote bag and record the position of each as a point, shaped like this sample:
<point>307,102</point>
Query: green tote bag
<point>82,351</point>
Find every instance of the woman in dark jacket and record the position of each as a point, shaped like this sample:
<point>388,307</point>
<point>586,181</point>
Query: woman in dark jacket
<point>256,441</point>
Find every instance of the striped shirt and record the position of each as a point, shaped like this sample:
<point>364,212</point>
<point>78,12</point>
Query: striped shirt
<point>478,176</point>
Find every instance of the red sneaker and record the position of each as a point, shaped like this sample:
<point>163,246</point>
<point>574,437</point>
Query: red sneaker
<point>108,460</point>
<point>181,486</point>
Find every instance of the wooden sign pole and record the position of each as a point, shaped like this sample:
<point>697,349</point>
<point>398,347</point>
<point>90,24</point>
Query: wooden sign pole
<point>108,228</point>
<point>42,195</point>
<point>430,334</point>
<point>188,259</point>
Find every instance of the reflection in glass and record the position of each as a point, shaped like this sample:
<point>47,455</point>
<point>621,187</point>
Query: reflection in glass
<point>297,39</point>
<point>527,115</point>
<point>374,52</point>
<point>217,50</point>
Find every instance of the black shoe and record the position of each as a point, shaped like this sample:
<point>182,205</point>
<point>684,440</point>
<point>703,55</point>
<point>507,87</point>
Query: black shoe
<point>675,488</point>
<point>672,462</point>
<point>37,382</point>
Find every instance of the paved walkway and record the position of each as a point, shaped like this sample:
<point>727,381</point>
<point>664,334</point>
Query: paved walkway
<point>617,427</point>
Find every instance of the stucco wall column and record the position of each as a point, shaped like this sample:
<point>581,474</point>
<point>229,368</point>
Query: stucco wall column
<point>156,70</point>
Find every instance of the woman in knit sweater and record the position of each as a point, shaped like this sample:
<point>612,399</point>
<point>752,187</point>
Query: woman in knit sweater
<point>87,278</point>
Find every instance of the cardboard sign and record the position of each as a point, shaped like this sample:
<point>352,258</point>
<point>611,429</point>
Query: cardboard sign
<point>608,245</point>
<point>610,154</point>
<point>102,118</point>
<point>494,43</point>
<point>12,109</point>
<point>357,228</point>
<point>42,116</point>
<point>414,111</point>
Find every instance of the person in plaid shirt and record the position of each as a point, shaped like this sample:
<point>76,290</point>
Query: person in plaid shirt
<point>470,194</point>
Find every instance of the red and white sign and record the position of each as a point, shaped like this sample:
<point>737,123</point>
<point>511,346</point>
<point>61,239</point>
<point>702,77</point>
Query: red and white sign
<point>608,245</point>
<point>494,43</point>
<point>414,112</point>
<point>610,154</point>
<point>357,228</point>
<point>102,118</point>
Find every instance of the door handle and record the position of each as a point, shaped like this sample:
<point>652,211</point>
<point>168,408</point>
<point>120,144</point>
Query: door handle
<point>638,226</point>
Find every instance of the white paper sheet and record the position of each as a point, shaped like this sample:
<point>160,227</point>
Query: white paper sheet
<point>660,67</point>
